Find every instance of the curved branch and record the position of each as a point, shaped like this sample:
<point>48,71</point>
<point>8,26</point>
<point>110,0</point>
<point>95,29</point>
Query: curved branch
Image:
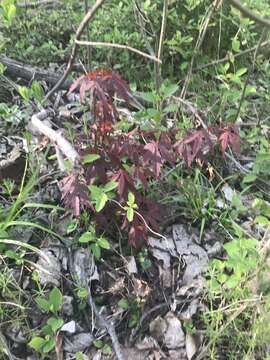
<point>119,46</point>
<point>249,13</point>
<point>75,48</point>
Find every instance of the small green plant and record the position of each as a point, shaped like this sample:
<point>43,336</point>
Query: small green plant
<point>54,302</point>
<point>189,327</point>
<point>101,194</point>
<point>96,243</point>
<point>71,226</point>
<point>242,258</point>
<point>46,343</point>
<point>234,307</point>
<point>131,206</point>
<point>81,356</point>
<point>231,87</point>
<point>133,308</point>
<point>8,11</point>
<point>82,295</point>
<point>17,256</point>
<point>34,92</point>
<point>8,187</point>
<point>262,209</point>
<point>11,115</point>
<point>144,260</point>
<point>197,197</point>
<point>154,114</point>
<point>105,348</point>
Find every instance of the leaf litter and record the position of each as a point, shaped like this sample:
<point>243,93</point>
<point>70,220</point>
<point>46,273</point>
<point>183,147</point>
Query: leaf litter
<point>164,335</point>
<point>161,301</point>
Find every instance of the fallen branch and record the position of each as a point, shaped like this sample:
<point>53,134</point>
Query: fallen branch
<point>15,69</point>
<point>119,46</point>
<point>57,138</point>
<point>32,5</point>
<point>75,48</point>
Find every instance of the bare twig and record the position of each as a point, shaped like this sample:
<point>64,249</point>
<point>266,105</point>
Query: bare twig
<point>199,42</point>
<point>57,138</point>
<point>143,219</point>
<point>109,327</point>
<point>161,41</point>
<point>251,69</point>
<point>89,52</point>
<point>75,48</point>
<point>249,13</point>
<point>227,58</point>
<point>142,19</point>
<point>191,108</point>
<point>163,28</point>
<point>119,46</point>
<point>240,168</point>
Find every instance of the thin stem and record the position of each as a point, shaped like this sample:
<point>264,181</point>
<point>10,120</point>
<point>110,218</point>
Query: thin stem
<point>86,8</point>
<point>199,42</point>
<point>251,69</point>
<point>118,46</point>
<point>88,17</point>
<point>227,58</point>
<point>161,43</point>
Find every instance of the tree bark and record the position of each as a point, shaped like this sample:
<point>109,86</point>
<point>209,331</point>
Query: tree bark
<point>15,69</point>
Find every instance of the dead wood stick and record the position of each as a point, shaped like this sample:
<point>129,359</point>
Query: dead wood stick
<point>119,46</point>
<point>31,5</point>
<point>17,69</point>
<point>63,145</point>
<point>109,327</point>
<point>75,48</point>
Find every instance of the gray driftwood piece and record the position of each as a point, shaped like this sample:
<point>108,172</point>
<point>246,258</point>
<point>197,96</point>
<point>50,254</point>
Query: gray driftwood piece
<point>15,69</point>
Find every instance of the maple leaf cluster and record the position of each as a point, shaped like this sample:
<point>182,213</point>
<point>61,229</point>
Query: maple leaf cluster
<point>102,85</point>
<point>199,144</point>
<point>131,159</point>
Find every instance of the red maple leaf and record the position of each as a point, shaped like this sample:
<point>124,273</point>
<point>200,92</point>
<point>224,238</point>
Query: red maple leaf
<point>102,85</point>
<point>229,135</point>
<point>196,145</point>
<point>125,184</point>
<point>74,194</point>
<point>166,148</point>
<point>153,213</point>
<point>152,157</point>
<point>138,233</point>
